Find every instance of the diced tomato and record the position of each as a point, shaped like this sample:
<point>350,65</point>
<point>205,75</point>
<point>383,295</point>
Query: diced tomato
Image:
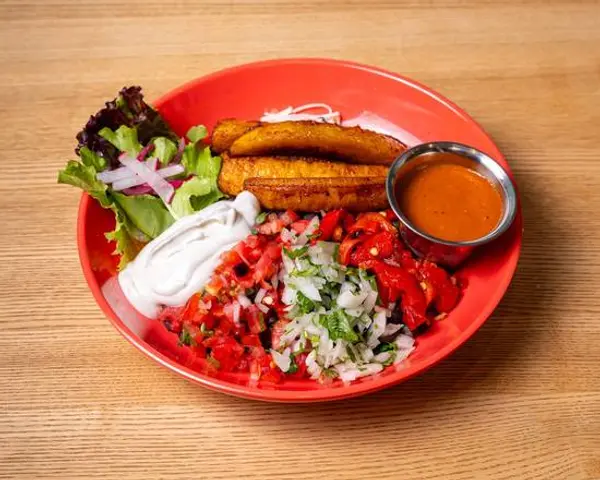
<point>199,349</point>
<point>252,340</point>
<point>288,217</point>
<point>299,226</point>
<point>267,264</point>
<point>272,375</point>
<point>172,318</point>
<point>215,285</point>
<point>270,227</point>
<point>255,319</point>
<point>227,352</point>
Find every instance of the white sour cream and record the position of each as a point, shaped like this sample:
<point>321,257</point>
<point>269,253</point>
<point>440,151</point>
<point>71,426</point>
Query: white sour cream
<point>179,262</point>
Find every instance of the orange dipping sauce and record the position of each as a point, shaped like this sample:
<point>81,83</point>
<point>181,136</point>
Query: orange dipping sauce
<point>449,201</point>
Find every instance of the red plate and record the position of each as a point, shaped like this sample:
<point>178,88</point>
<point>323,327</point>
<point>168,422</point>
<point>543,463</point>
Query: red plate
<point>246,92</point>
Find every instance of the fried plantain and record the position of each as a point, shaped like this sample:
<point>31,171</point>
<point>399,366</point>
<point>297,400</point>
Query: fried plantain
<point>234,171</point>
<point>349,144</point>
<point>316,194</point>
<point>227,131</point>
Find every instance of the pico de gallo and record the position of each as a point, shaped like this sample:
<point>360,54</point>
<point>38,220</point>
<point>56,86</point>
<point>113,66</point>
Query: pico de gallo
<point>323,296</point>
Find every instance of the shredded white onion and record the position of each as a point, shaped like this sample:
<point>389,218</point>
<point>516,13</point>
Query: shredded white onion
<point>300,114</point>
<point>375,123</point>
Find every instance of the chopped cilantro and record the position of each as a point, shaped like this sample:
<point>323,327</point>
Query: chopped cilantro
<point>293,254</point>
<point>293,366</point>
<point>311,271</point>
<point>261,218</point>
<point>385,347</point>
<point>305,304</point>
<point>185,338</point>
<point>214,362</point>
<point>339,325</point>
<point>205,331</point>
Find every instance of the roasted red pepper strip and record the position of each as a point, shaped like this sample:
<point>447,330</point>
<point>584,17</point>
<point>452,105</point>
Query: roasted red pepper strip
<point>372,223</point>
<point>329,223</point>
<point>398,282</point>
<point>445,294</point>
<point>346,249</point>
<point>382,245</point>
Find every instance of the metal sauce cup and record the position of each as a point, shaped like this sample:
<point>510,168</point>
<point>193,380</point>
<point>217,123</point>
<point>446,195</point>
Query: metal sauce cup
<point>444,252</point>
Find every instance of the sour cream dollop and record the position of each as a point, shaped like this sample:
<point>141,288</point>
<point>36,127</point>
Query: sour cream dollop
<point>180,261</point>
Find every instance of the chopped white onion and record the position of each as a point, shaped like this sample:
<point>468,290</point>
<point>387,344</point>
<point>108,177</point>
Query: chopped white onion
<point>282,360</point>
<point>236,312</point>
<point>263,308</point>
<point>391,329</point>
<point>260,295</point>
<point>349,300</point>
<point>244,300</point>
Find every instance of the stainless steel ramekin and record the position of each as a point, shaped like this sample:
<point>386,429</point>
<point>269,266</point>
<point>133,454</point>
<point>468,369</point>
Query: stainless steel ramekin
<point>441,251</point>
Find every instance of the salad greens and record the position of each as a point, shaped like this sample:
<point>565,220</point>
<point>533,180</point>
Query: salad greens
<point>128,125</point>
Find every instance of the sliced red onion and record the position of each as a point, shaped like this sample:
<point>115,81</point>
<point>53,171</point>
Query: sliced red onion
<point>145,151</point>
<point>138,190</point>
<point>134,180</point>
<point>163,188</point>
<point>121,173</point>
<point>145,188</point>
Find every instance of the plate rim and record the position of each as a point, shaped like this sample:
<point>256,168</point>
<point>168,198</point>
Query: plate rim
<point>325,393</point>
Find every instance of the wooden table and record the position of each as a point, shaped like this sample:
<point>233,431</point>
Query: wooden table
<point>520,400</point>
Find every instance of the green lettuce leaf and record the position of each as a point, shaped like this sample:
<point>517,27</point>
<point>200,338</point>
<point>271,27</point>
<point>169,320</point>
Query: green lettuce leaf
<point>92,159</point>
<point>129,241</point>
<point>124,138</point>
<point>164,149</point>
<point>198,161</point>
<point>199,202</point>
<point>147,213</point>
<point>84,177</point>
<point>197,133</point>
<point>189,195</point>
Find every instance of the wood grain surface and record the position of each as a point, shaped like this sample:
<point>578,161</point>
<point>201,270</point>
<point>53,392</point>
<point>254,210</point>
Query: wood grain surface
<point>521,400</point>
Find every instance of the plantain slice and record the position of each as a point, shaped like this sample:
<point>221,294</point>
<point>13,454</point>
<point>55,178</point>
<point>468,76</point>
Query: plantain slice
<point>234,171</point>
<point>227,131</point>
<point>316,194</point>
<point>347,144</point>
